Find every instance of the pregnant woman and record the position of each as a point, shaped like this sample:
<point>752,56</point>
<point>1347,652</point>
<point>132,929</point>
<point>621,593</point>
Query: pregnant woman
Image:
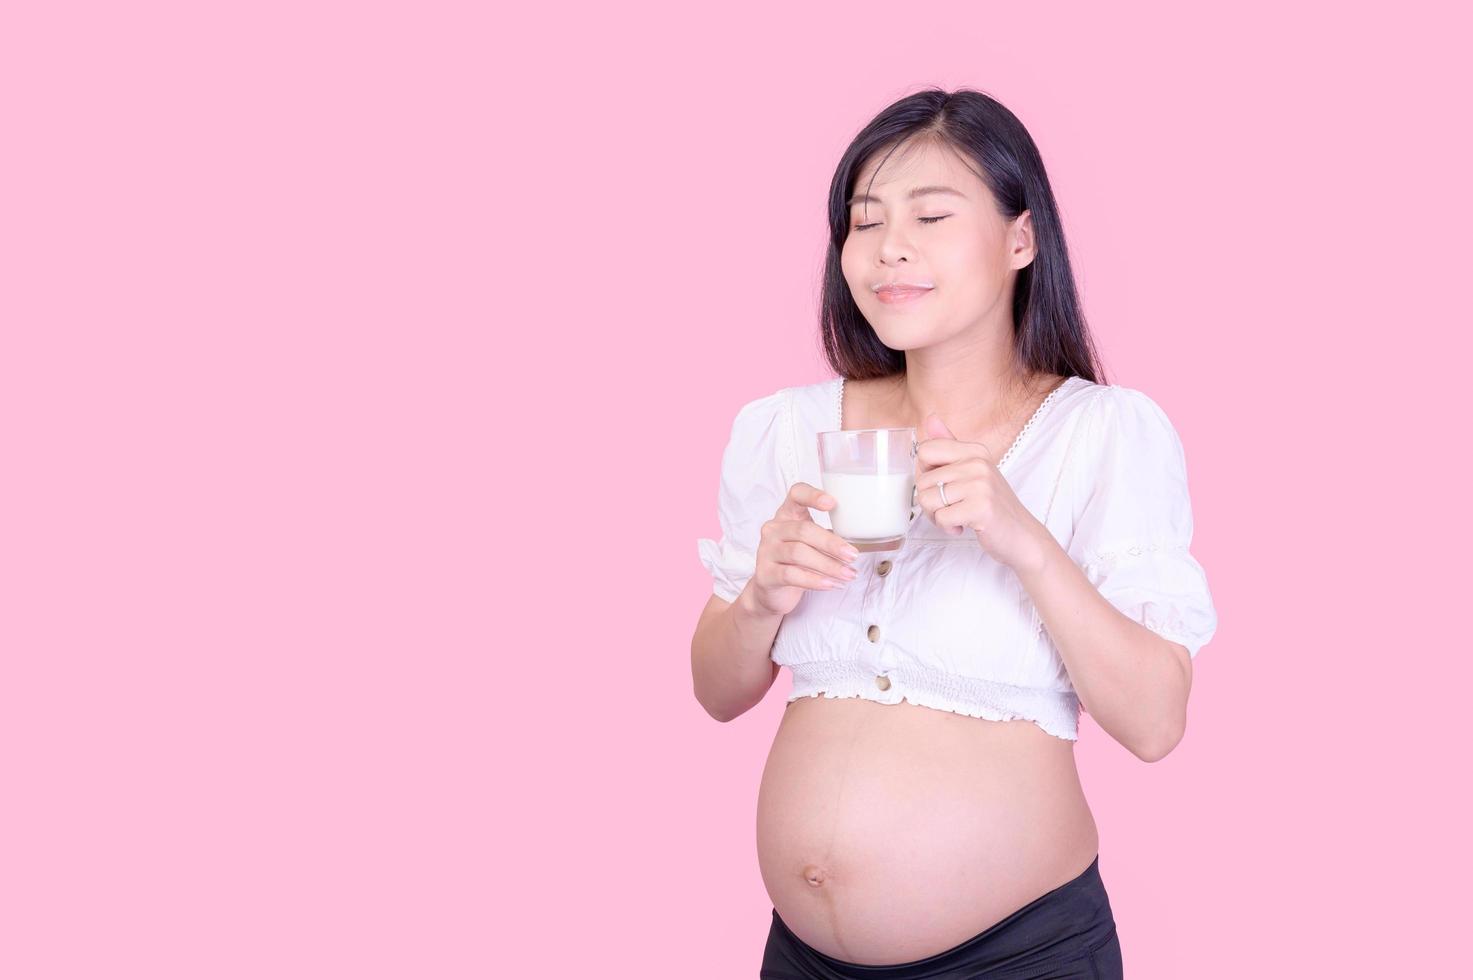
<point>920,813</point>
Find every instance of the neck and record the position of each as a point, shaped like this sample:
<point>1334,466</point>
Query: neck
<point>976,399</point>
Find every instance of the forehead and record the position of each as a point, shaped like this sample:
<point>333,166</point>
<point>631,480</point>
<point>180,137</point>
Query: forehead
<point>913,165</point>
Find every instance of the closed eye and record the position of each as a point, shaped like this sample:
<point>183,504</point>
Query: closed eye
<point>924,221</point>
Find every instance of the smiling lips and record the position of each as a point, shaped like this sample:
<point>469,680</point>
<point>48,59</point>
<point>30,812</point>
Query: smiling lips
<point>901,292</point>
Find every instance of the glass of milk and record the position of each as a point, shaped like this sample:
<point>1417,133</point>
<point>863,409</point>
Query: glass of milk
<point>871,474</point>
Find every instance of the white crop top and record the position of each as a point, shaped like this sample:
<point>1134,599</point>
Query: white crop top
<point>939,622</point>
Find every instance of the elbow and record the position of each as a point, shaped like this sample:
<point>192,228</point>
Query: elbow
<point>719,715</point>
<point>1153,753</point>
<point>724,710</point>
<point>700,691</point>
<point>729,710</point>
<point>710,700</point>
<point>1161,746</point>
<point>1171,728</point>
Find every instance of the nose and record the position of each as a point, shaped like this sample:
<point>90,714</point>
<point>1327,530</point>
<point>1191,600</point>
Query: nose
<point>894,246</point>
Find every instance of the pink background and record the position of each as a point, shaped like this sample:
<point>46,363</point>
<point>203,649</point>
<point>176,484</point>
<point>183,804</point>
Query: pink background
<point>365,376</point>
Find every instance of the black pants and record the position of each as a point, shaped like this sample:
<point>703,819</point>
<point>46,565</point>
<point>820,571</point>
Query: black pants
<point>1067,933</point>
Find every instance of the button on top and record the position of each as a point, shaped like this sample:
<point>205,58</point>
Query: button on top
<point>883,567</point>
<point>882,682</point>
<point>874,633</point>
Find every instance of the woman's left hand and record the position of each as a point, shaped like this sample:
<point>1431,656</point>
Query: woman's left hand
<point>979,498</point>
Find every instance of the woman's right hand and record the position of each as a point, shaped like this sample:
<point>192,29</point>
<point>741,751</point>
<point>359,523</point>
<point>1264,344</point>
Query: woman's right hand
<point>795,554</point>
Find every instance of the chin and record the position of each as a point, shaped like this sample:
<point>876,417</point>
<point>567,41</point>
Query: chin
<point>909,339</point>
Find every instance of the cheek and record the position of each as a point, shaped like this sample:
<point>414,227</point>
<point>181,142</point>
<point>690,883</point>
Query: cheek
<point>966,248</point>
<point>852,266</point>
<point>971,265</point>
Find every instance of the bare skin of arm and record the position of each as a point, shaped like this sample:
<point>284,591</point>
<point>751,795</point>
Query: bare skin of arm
<point>730,654</point>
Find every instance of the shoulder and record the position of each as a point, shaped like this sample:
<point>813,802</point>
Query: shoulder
<point>758,427</point>
<point>767,426</point>
<point>760,445</point>
<point>813,406</point>
<point>763,408</point>
<point>1129,438</point>
<point>1118,413</point>
<point>810,395</point>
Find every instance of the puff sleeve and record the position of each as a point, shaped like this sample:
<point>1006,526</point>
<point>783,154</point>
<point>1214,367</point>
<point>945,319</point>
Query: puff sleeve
<point>753,485</point>
<point>1133,534</point>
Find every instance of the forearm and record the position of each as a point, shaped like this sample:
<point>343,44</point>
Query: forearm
<point>730,655</point>
<point>1130,678</point>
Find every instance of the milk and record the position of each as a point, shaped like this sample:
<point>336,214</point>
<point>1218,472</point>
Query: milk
<point>872,507</point>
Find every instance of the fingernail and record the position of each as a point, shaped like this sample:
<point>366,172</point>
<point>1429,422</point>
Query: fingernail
<point>851,552</point>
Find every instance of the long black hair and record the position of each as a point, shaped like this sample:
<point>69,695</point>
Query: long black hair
<point>1049,330</point>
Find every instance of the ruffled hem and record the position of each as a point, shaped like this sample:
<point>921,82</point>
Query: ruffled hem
<point>1161,586</point>
<point>728,568</point>
<point>1054,711</point>
<point>1192,640</point>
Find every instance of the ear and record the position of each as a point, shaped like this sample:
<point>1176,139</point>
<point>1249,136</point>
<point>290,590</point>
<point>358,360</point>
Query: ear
<point>1024,248</point>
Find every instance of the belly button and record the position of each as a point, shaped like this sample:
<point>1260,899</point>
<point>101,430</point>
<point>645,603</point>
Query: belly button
<point>814,875</point>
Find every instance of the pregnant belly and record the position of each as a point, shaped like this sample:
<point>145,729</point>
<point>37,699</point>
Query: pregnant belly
<point>888,833</point>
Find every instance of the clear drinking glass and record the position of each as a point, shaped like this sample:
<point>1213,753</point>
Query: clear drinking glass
<point>871,474</point>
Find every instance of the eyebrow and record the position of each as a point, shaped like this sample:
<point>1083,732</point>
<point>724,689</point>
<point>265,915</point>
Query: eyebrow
<point>915,192</point>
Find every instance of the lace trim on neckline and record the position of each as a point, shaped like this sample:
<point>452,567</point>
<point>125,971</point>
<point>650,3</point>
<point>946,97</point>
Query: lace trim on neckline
<point>1038,413</point>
